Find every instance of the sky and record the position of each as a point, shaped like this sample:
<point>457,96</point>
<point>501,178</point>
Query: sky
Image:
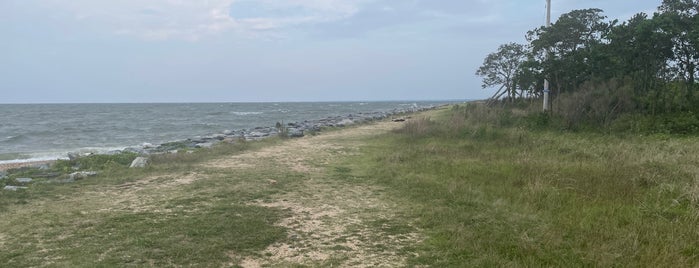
<point>99,51</point>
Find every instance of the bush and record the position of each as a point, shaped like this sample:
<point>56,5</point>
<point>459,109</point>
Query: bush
<point>686,123</point>
<point>596,104</point>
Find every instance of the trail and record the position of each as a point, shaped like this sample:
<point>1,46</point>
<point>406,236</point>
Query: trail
<point>332,222</point>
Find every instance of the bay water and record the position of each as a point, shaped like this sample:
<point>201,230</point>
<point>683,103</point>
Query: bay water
<point>35,132</point>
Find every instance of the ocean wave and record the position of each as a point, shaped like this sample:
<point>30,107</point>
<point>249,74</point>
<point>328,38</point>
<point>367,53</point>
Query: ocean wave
<point>13,158</point>
<point>35,158</point>
<point>246,113</point>
<point>14,138</point>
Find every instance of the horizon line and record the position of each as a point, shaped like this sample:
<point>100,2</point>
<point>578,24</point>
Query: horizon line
<point>224,102</point>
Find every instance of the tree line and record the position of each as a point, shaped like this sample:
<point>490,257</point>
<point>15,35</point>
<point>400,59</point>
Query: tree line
<point>647,64</point>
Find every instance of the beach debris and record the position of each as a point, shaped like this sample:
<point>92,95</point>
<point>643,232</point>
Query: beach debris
<point>80,175</point>
<point>14,188</point>
<point>399,119</point>
<point>24,180</point>
<point>139,162</point>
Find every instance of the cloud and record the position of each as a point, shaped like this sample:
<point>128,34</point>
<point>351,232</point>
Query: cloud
<point>192,20</point>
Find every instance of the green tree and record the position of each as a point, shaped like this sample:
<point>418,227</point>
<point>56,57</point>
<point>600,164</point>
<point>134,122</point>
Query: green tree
<point>500,69</point>
<point>679,19</point>
<point>568,49</point>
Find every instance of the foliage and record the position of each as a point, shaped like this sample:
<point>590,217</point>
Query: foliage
<point>96,162</point>
<point>652,61</point>
<point>500,68</point>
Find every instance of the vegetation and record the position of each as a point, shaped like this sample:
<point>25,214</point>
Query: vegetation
<point>490,187</point>
<point>471,185</point>
<point>599,70</point>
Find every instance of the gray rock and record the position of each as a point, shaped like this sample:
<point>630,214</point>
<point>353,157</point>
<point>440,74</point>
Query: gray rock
<point>113,152</point>
<point>257,134</point>
<point>204,145</point>
<point>147,145</point>
<point>218,136</point>
<point>228,132</point>
<point>14,188</point>
<point>3,175</point>
<point>139,162</point>
<point>135,150</point>
<point>73,156</point>
<point>345,122</point>
<point>295,133</point>
<point>81,175</point>
<point>24,180</point>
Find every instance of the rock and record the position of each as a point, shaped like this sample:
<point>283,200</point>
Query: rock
<point>24,180</point>
<point>3,175</point>
<point>135,150</point>
<point>204,145</point>
<point>147,145</point>
<point>257,134</point>
<point>73,156</point>
<point>218,136</point>
<point>400,119</point>
<point>228,132</point>
<point>113,152</point>
<point>139,162</point>
<point>294,133</point>
<point>14,188</point>
<point>81,175</point>
<point>345,122</point>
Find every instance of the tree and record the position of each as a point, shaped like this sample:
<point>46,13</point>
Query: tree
<point>568,48</point>
<point>500,68</point>
<point>680,20</point>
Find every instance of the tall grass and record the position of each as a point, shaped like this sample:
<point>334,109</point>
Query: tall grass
<point>492,193</point>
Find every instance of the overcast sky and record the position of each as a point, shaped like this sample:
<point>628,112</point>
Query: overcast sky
<point>261,50</point>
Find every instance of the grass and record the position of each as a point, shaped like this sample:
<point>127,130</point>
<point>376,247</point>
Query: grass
<point>461,187</point>
<point>117,219</point>
<point>494,195</point>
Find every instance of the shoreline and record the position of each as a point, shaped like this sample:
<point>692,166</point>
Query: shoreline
<point>291,130</point>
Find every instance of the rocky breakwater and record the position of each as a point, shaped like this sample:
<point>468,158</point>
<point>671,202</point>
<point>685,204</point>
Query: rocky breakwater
<point>289,130</point>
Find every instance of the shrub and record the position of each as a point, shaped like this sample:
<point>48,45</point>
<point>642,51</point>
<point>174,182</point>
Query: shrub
<point>596,104</point>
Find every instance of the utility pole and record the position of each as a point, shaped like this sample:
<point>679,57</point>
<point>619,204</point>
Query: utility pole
<point>547,104</point>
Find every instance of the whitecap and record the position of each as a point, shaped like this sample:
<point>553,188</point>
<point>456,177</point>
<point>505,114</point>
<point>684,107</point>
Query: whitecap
<point>246,113</point>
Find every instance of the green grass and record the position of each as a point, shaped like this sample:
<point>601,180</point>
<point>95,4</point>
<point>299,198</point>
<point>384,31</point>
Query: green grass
<point>493,195</point>
<point>114,220</point>
<point>479,187</point>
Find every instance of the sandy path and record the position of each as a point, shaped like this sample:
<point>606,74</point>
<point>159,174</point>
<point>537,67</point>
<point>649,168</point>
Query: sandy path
<point>332,222</point>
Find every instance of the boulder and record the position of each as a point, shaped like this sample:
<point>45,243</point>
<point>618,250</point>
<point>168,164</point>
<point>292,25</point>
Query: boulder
<point>204,145</point>
<point>24,180</point>
<point>81,175</point>
<point>3,175</point>
<point>345,122</point>
<point>294,133</point>
<point>139,162</point>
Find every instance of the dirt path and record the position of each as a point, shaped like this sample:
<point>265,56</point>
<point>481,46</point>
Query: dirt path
<point>332,222</point>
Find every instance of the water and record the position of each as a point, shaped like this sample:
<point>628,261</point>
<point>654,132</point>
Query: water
<point>31,132</point>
